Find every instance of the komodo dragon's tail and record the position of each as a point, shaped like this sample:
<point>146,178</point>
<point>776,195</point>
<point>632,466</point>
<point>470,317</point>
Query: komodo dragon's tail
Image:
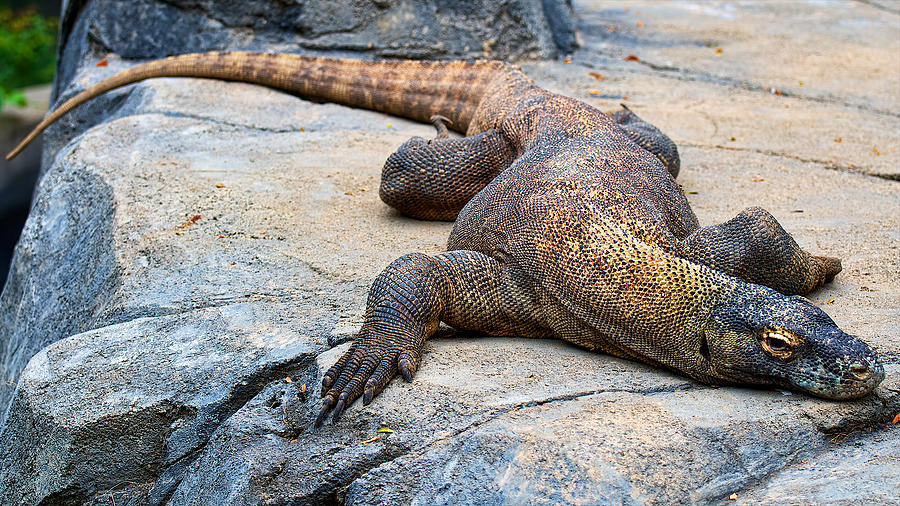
<point>411,89</point>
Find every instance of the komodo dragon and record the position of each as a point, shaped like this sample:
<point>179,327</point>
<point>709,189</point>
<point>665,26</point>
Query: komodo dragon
<point>569,224</point>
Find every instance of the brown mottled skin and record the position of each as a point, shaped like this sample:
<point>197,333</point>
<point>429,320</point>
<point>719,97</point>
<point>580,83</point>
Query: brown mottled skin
<point>569,224</point>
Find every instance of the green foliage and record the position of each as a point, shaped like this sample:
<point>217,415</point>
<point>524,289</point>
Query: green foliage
<point>27,53</point>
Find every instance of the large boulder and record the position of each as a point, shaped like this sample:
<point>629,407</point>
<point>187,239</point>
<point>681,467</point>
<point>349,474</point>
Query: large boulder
<point>198,253</point>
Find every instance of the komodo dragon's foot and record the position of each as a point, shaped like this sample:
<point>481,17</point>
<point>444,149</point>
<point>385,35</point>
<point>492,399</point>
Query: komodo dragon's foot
<point>366,368</point>
<point>403,309</point>
<point>648,137</point>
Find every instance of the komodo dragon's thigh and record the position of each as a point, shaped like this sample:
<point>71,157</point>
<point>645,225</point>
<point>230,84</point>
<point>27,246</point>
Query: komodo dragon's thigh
<point>433,179</point>
<point>648,137</point>
<point>754,247</point>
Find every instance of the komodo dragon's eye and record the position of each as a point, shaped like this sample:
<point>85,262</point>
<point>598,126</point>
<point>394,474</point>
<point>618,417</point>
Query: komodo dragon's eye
<point>779,343</point>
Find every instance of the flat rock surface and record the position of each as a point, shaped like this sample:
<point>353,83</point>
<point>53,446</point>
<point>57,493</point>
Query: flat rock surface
<point>194,261</point>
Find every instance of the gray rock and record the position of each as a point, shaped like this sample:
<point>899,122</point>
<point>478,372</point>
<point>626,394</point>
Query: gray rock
<point>158,344</point>
<point>859,467</point>
<point>140,382</point>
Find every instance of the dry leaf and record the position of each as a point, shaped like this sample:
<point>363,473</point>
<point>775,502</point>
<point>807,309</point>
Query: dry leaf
<point>758,180</point>
<point>838,139</point>
<point>830,301</point>
<point>595,92</point>
<point>224,236</point>
<point>567,60</point>
<point>692,192</point>
<point>632,57</point>
<point>303,389</point>
<point>718,50</point>
<point>193,219</point>
<point>896,419</point>
<point>612,28</point>
<point>385,430</point>
<point>220,185</point>
<point>640,25</point>
<point>733,497</point>
<point>371,440</point>
<point>597,75</point>
<point>103,63</point>
<point>875,149</point>
<point>288,379</point>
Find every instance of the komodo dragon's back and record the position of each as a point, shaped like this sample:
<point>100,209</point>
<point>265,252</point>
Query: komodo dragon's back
<point>569,224</point>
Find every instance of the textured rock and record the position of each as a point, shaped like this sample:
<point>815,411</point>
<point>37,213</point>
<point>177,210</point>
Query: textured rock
<point>140,380</point>
<point>158,344</point>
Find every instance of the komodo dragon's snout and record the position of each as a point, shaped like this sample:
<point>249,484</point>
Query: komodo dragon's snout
<point>768,338</point>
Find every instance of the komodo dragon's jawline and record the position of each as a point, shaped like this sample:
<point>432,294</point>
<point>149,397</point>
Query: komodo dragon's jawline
<point>569,224</point>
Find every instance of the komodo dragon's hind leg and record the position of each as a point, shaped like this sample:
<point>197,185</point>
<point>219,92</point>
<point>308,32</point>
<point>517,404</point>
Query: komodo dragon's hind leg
<point>466,289</point>
<point>648,137</point>
<point>754,247</point>
<point>433,179</point>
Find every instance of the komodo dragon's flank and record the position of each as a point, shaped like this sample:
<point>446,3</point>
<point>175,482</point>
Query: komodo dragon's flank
<point>569,224</point>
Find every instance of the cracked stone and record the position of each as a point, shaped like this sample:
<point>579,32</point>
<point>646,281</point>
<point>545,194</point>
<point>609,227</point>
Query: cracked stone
<point>142,383</point>
<point>114,280</point>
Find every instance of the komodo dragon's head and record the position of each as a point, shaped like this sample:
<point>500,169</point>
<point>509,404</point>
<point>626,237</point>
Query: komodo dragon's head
<point>764,337</point>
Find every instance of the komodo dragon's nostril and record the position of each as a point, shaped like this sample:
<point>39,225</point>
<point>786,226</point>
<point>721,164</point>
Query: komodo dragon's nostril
<point>861,371</point>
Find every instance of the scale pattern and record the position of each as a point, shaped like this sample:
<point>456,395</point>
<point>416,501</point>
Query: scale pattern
<point>569,224</point>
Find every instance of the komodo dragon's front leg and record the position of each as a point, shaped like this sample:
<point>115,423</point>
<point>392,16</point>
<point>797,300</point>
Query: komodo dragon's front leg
<point>754,247</point>
<point>466,289</point>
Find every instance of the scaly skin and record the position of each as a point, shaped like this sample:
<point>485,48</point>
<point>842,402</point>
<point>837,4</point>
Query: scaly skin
<point>569,224</point>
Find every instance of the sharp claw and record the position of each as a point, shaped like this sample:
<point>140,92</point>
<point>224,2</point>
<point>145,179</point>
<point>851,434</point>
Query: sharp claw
<point>405,369</point>
<point>338,409</point>
<point>368,395</point>
<point>326,407</point>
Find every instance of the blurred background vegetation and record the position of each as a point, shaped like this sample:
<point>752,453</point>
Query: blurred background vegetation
<point>27,47</point>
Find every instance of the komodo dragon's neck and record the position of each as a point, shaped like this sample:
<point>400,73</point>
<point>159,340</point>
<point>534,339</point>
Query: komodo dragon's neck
<point>410,89</point>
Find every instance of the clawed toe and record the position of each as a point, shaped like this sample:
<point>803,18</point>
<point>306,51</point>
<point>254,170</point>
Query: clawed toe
<point>360,372</point>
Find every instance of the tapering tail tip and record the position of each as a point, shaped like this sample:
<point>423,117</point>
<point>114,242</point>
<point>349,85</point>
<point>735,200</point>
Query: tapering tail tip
<point>18,149</point>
